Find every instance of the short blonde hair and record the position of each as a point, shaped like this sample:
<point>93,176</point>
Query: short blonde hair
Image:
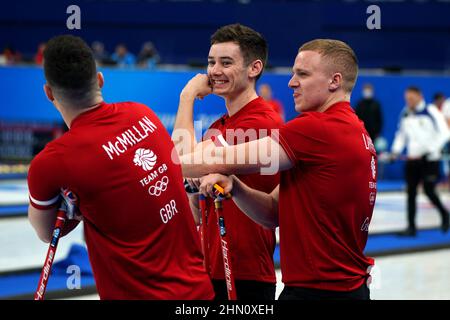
<point>342,58</point>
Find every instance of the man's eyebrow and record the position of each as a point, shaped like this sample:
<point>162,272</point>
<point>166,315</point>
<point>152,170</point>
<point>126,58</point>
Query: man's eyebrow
<point>299,70</point>
<point>221,58</point>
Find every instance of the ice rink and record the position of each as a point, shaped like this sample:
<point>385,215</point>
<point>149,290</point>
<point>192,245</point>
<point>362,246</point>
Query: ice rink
<point>417,275</point>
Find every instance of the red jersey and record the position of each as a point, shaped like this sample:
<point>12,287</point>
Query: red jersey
<point>139,229</point>
<point>277,106</point>
<point>326,200</point>
<point>252,246</point>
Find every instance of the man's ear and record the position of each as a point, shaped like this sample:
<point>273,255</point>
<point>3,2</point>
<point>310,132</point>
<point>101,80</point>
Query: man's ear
<point>100,79</point>
<point>255,68</point>
<point>335,82</point>
<point>49,93</point>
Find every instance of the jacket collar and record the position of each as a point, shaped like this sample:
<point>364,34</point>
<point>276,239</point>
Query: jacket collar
<point>419,108</point>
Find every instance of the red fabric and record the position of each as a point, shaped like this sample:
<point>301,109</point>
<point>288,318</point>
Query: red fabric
<point>252,246</point>
<point>326,200</point>
<point>141,246</point>
<point>277,106</point>
<point>39,57</point>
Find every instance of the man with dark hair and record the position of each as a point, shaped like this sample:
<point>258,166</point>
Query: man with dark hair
<point>251,43</point>
<point>116,157</point>
<point>424,133</point>
<point>325,199</point>
<point>439,100</point>
<point>74,79</point>
<point>236,60</point>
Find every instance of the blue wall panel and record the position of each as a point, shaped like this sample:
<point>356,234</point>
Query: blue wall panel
<point>23,98</point>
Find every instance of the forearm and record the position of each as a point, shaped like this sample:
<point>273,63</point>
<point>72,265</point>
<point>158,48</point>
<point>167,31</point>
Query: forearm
<point>183,134</point>
<point>264,155</point>
<point>43,222</point>
<point>399,143</point>
<point>200,170</point>
<point>259,206</point>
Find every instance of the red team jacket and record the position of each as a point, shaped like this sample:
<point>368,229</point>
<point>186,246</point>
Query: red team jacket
<point>140,233</point>
<point>326,200</point>
<point>252,246</point>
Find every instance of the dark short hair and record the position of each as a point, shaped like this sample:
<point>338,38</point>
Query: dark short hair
<point>252,44</point>
<point>70,69</point>
<point>414,89</point>
<point>438,96</point>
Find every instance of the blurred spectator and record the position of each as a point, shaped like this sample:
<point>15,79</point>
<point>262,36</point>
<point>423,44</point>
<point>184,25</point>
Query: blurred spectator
<point>122,57</point>
<point>368,110</point>
<point>422,129</point>
<point>446,110</point>
<point>438,100</point>
<point>100,55</point>
<point>39,57</point>
<point>265,92</point>
<point>10,56</point>
<point>148,57</point>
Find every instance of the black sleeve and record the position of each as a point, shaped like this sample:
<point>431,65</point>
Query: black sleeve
<point>358,109</point>
<point>379,119</point>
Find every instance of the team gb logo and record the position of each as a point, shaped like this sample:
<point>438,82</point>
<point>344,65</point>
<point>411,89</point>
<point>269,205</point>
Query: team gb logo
<point>144,158</point>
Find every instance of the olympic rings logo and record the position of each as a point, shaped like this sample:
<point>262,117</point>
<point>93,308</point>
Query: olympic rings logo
<point>159,187</point>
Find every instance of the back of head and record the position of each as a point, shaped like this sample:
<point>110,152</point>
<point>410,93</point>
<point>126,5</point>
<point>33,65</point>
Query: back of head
<point>438,96</point>
<point>70,70</point>
<point>340,57</point>
<point>252,44</point>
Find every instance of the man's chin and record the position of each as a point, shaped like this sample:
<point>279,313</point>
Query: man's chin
<point>220,92</point>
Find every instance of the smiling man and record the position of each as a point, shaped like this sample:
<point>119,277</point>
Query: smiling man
<point>327,190</point>
<point>236,60</point>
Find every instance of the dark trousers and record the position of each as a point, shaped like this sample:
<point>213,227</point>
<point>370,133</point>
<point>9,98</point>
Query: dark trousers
<point>245,290</point>
<point>299,293</point>
<point>426,172</point>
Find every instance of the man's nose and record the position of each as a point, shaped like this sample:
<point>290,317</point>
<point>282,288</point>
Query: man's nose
<point>293,82</point>
<point>216,69</point>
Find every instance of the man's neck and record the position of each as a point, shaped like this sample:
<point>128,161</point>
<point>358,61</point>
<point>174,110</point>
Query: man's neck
<point>70,113</point>
<point>236,103</point>
<point>333,99</point>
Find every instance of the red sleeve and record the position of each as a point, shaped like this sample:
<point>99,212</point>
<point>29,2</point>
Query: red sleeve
<point>277,106</point>
<point>252,127</point>
<point>303,139</point>
<point>271,121</point>
<point>44,180</point>
<point>257,127</point>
